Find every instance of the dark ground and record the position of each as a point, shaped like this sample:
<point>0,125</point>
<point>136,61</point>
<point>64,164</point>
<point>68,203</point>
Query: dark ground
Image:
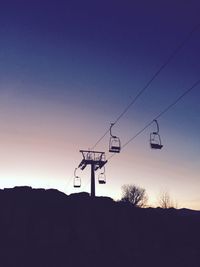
<point>47,228</point>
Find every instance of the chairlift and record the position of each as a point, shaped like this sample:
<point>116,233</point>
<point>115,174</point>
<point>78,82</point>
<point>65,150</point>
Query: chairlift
<point>102,177</point>
<point>155,140</point>
<point>77,180</point>
<point>114,144</point>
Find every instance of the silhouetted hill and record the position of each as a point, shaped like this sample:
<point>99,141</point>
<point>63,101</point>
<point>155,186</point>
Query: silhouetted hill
<point>48,228</point>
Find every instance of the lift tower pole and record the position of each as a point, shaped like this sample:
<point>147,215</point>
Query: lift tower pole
<point>92,180</point>
<point>97,160</point>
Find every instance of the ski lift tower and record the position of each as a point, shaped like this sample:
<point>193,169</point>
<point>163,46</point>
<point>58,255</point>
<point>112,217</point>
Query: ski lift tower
<point>97,160</point>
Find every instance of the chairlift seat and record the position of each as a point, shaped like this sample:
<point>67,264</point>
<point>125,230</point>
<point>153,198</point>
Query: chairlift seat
<point>102,182</point>
<point>156,146</point>
<point>77,186</point>
<point>115,149</point>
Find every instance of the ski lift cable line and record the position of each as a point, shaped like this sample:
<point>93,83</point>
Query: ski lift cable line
<point>160,114</point>
<point>142,90</point>
<point>173,54</point>
<point>165,110</point>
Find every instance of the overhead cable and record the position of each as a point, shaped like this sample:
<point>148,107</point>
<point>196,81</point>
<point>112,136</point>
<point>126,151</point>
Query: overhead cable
<point>142,90</point>
<point>165,110</point>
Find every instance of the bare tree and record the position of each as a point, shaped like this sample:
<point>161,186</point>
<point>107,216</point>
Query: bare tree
<point>165,201</point>
<point>135,195</point>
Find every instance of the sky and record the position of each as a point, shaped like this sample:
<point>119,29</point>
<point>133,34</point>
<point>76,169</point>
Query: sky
<point>69,68</point>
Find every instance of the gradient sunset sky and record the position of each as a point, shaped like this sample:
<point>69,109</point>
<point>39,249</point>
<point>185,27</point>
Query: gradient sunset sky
<point>69,68</point>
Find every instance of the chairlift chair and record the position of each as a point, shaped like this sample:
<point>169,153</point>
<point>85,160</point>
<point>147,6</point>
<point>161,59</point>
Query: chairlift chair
<point>102,178</point>
<point>114,144</point>
<point>77,180</point>
<point>155,140</point>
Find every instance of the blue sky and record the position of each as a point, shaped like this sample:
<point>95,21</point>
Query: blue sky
<point>69,68</point>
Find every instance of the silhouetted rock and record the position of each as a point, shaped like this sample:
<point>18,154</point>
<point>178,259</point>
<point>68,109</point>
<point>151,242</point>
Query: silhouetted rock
<point>48,228</point>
